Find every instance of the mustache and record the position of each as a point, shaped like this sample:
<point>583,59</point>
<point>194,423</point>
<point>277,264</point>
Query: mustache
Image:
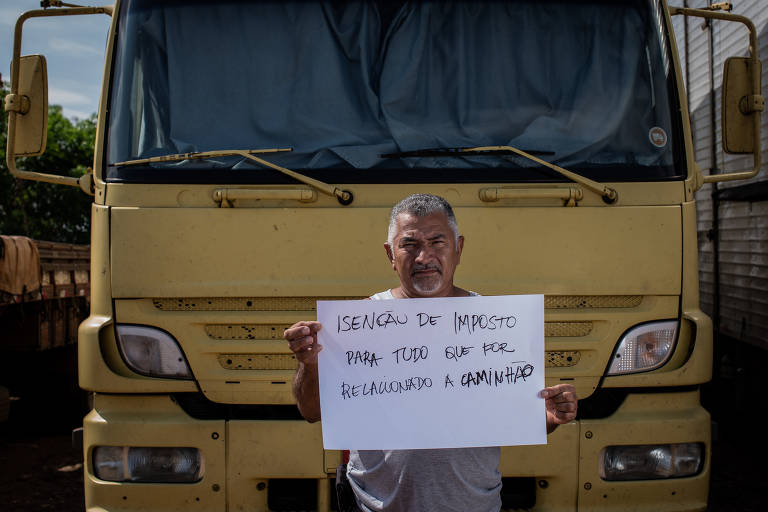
<point>428,266</point>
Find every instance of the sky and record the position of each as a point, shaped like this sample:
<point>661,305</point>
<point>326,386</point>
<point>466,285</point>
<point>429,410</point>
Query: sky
<point>73,47</point>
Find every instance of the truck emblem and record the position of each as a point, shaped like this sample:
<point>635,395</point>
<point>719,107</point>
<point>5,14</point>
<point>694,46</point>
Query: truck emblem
<point>657,136</point>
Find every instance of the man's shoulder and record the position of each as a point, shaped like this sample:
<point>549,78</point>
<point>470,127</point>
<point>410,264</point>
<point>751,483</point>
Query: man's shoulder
<point>385,295</point>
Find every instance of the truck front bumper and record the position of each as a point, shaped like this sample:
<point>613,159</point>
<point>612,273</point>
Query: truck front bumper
<point>247,463</point>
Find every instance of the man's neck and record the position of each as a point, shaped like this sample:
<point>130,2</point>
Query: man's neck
<point>454,291</point>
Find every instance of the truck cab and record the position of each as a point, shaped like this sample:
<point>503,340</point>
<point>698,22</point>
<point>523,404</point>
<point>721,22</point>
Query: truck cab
<point>246,159</point>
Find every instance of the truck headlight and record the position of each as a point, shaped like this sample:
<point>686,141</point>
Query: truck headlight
<point>152,352</point>
<point>147,464</point>
<point>652,461</point>
<point>644,347</point>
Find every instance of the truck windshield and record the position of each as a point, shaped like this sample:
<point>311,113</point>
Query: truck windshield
<point>358,89</point>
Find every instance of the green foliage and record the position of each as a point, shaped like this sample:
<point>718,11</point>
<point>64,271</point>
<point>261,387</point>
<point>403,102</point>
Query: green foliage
<point>42,210</point>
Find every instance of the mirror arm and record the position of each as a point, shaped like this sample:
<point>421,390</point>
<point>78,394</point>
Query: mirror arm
<point>10,160</point>
<point>756,99</point>
<point>41,13</point>
<point>85,182</point>
<point>15,105</point>
<point>756,159</point>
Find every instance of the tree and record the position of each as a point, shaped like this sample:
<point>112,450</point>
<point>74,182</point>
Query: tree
<point>46,211</point>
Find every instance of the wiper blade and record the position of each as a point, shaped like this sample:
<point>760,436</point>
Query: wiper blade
<point>343,196</point>
<point>458,152</point>
<point>200,155</point>
<point>608,194</point>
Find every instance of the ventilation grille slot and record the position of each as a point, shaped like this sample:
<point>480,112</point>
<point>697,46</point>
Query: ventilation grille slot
<point>567,329</point>
<point>559,359</point>
<point>246,331</point>
<point>258,361</point>
<point>243,303</point>
<point>308,303</point>
<point>591,301</point>
<point>275,332</point>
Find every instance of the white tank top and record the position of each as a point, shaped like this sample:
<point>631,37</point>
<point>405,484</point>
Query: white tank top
<point>460,479</point>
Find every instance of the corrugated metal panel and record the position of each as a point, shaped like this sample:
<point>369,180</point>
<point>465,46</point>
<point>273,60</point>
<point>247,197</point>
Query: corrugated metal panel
<point>678,25</point>
<point>743,226</point>
<point>698,92</point>
<point>744,270</point>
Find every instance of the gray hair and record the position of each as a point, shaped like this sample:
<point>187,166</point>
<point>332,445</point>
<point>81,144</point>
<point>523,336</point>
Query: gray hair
<point>421,205</point>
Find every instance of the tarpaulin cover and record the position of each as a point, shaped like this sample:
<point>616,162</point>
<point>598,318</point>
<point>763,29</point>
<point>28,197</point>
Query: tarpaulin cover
<point>19,266</point>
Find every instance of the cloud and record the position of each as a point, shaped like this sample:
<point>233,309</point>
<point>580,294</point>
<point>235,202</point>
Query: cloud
<point>9,15</point>
<point>64,97</point>
<point>75,114</point>
<point>61,45</point>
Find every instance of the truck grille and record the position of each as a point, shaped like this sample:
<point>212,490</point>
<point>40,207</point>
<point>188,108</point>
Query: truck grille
<point>274,332</point>
<point>553,359</point>
<point>242,303</point>
<point>236,345</point>
<point>308,303</point>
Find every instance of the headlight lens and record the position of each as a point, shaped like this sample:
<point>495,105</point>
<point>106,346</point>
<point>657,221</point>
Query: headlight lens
<point>644,347</point>
<point>143,464</point>
<point>651,462</point>
<point>152,352</point>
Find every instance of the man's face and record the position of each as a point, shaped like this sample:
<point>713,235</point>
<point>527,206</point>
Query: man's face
<point>424,254</point>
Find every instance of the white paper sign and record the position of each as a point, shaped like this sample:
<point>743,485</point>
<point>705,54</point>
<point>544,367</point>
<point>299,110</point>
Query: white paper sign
<point>432,373</point>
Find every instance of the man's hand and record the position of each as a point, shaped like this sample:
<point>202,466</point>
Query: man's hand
<point>302,339</point>
<point>561,403</point>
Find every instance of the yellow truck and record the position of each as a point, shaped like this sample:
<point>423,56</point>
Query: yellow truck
<point>246,158</point>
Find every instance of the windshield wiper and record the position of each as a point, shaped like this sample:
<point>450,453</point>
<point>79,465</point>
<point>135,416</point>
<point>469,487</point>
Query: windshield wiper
<point>608,194</point>
<point>343,196</point>
<point>456,152</point>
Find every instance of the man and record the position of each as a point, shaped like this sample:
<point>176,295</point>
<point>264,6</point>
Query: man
<point>424,248</point>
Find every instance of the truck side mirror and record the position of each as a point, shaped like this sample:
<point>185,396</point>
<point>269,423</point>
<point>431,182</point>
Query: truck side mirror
<point>740,105</point>
<point>742,99</point>
<point>27,104</point>
<point>30,103</point>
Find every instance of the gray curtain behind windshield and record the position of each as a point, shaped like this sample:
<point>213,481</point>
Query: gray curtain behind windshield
<point>499,83</point>
<point>263,75</point>
<point>339,85</point>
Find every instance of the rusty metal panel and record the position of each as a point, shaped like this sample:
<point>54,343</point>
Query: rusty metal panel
<point>59,322</point>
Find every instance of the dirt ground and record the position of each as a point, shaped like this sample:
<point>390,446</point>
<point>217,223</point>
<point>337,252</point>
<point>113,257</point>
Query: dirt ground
<point>39,469</point>
<point>40,472</point>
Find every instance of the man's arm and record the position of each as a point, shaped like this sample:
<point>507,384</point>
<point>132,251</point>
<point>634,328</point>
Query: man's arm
<point>561,403</point>
<point>302,339</point>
